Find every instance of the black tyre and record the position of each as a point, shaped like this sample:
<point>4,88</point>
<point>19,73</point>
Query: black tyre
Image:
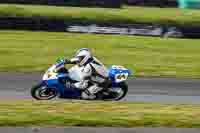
<point>124,88</point>
<point>115,94</point>
<point>41,92</point>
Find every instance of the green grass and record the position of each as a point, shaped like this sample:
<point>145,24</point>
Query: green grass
<point>22,51</point>
<point>165,16</point>
<point>84,113</point>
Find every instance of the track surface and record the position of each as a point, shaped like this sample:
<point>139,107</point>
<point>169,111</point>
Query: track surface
<point>167,90</point>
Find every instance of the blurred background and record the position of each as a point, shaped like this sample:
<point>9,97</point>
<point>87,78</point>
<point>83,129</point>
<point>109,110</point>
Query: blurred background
<point>113,3</point>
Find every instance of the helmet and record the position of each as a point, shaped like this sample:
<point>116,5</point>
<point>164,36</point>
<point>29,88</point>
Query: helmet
<point>83,55</point>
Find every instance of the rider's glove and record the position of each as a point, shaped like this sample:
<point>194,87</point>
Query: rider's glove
<point>67,61</point>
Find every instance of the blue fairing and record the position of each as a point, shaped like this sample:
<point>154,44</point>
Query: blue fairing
<point>61,88</point>
<point>114,71</point>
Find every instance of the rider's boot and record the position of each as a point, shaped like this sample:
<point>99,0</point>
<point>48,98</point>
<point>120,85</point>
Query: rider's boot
<point>90,93</point>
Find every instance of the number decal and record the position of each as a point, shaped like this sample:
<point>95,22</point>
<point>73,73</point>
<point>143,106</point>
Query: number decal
<point>121,77</point>
<point>120,73</point>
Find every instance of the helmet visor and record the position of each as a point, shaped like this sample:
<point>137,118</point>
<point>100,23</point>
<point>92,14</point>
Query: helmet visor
<point>80,58</point>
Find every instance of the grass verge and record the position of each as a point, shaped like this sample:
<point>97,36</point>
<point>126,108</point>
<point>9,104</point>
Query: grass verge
<point>83,113</point>
<point>22,51</point>
<point>164,16</point>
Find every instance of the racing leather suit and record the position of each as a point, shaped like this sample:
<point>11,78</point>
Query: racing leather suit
<point>94,71</point>
<point>97,73</point>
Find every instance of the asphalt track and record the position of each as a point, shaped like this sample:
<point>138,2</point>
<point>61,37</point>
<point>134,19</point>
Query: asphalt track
<point>164,90</point>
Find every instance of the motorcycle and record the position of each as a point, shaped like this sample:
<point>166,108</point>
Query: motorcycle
<point>53,84</point>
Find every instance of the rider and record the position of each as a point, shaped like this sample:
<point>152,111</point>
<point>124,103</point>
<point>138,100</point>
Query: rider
<point>91,70</point>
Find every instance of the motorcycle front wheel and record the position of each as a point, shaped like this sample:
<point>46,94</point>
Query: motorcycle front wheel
<point>42,92</point>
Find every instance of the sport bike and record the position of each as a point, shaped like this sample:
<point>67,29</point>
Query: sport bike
<point>53,84</point>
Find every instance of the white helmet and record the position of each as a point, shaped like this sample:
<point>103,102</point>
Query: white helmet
<point>83,55</point>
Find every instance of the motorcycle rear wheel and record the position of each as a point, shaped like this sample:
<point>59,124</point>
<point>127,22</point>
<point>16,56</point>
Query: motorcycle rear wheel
<point>115,94</point>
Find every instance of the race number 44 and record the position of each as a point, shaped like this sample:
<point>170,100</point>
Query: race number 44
<point>121,77</point>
